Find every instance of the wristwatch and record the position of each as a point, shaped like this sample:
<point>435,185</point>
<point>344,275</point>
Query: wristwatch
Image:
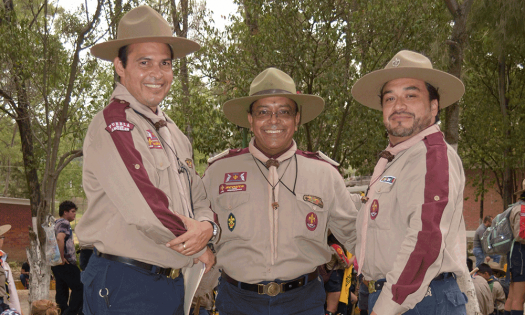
<point>215,232</point>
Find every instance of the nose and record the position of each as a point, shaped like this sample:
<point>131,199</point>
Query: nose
<point>156,72</point>
<point>273,118</point>
<point>399,104</point>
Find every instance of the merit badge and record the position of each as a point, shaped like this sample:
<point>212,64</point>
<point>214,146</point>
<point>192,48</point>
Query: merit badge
<point>311,221</point>
<point>231,222</point>
<point>313,199</point>
<point>374,209</point>
<point>153,141</point>
<point>235,177</point>
<point>388,179</point>
<point>223,188</point>
<point>120,126</point>
<point>189,162</point>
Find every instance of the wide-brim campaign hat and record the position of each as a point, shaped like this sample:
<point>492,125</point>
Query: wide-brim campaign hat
<point>407,64</point>
<point>4,228</point>
<point>519,192</point>
<point>272,82</point>
<point>142,25</point>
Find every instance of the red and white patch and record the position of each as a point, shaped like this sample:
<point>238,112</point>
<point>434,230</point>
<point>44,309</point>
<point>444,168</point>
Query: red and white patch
<point>120,126</point>
<point>311,221</point>
<point>374,209</point>
<point>235,177</point>
<point>223,188</point>
<point>153,141</point>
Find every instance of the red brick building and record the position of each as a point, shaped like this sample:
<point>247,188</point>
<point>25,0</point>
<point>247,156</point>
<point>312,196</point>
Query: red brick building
<point>16,212</point>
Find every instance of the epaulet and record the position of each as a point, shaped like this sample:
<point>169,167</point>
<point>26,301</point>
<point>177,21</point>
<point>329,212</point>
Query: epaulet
<point>226,154</point>
<point>115,116</point>
<point>318,156</point>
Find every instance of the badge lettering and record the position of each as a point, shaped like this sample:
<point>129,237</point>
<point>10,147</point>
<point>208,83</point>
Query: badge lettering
<point>374,209</point>
<point>153,141</point>
<point>388,179</point>
<point>120,126</point>
<point>231,222</point>
<point>311,221</point>
<point>314,200</point>
<point>223,188</point>
<point>189,162</point>
<point>235,177</point>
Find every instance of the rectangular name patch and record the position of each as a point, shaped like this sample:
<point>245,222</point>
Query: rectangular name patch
<point>235,177</point>
<point>231,188</point>
<point>388,179</point>
<point>120,126</point>
<point>153,141</point>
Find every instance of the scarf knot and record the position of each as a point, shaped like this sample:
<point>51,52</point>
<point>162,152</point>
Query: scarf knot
<point>272,162</point>
<point>159,124</point>
<point>386,155</point>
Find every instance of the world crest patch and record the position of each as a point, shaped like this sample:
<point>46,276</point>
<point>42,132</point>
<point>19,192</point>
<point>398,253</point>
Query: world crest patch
<point>231,222</point>
<point>314,200</point>
<point>388,179</point>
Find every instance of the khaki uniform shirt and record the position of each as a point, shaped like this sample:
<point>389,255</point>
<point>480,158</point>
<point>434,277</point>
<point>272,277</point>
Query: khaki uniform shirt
<point>415,229</point>
<point>315,199</point>
<point>131,191</point>
<point>498,296</point>
<point>485,299</point>
<point>515,220</point>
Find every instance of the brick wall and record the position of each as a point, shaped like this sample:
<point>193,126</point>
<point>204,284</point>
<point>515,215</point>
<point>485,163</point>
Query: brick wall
<point>16,212</point>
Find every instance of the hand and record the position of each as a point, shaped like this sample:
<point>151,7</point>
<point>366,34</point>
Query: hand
<point>487,259</point>
<point>194,239</point>
<point>64,262</point>
<point>207,258</point>
<point>373,313</point>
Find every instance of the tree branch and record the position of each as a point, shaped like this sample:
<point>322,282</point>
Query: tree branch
<point>66,158</point>
<point>452,6</point>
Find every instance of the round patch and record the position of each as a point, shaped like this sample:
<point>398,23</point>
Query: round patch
<point>374,209</point>
<point>311,221</point>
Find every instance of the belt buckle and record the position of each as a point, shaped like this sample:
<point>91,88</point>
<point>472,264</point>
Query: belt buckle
<point>371,286</point>
<point>270,289</point>
<point>174,273</point>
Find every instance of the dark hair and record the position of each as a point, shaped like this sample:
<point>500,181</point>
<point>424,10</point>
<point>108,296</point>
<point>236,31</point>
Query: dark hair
<point>66,206</point>
<point>484,268</point>
<point>124,51</point>
<point>296,107</point>
<point>487,219</point>
<point>470,264</point>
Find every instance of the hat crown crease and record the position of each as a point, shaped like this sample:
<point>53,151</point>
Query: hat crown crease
<point>145,23</point>
<point>272,79</point>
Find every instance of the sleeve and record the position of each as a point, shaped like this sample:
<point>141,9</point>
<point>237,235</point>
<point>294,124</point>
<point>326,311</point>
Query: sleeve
<point>424,202</point>
<point>343,214</point>
<point>499,296</point>
<point>206,181</point>
<point>113,160</point>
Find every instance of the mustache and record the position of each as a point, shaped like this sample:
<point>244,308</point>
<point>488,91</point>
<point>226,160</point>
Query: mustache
<point>402,113</point>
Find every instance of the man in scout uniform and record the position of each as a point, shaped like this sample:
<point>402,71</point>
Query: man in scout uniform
<point>411,241</point>
<point>275,204</point>
<point>147,214</point>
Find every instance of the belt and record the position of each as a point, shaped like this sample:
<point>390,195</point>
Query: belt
<point>272,288</point>
<point>374,285</point>
<point>168,272</point>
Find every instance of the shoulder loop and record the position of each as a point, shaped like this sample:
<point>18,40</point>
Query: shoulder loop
<point>218,156</point>
<point>326,158</point>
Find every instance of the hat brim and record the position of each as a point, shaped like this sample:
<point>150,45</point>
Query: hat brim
<point>4,229</point>
<point>519,192</point>
<point>367,89</point>
<point>236,110</point>
<point>109,50</point>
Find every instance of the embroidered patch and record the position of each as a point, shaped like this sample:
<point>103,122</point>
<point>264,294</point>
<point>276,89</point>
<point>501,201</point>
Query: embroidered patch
<point>388,179</point>
<point>231,222</point>
<point>153,141</point>
<point>235,177</point>
<point>313,199</point>
<point>120,126</point>
<point>231,188</point>
<point>374,209</point>
<point>311,221</point>
<point>189,162</point>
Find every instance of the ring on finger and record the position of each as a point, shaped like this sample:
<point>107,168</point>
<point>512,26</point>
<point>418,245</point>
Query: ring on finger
<point>184,245</point>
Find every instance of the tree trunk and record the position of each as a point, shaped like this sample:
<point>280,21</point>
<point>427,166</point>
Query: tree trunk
<point>8,175</point>
<point>40,272</point>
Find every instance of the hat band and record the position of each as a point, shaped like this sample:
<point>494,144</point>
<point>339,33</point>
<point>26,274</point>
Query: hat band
<point>273,91</point>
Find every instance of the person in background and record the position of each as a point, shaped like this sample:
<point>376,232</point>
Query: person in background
<point>498,295</point>
<point>478,250</point>
<point>24,274</point>
<point>8,294</point>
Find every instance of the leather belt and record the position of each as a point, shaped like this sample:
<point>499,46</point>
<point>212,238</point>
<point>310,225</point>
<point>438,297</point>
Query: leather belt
<point>374,285</point>
<point>168,272</point>
<point>272,288</point>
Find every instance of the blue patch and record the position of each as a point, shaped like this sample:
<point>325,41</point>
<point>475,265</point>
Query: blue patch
<point>388,179</point>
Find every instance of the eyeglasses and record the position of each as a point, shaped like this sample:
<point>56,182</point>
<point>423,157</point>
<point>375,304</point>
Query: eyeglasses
<point>267,114</point>
<point>2,237</point>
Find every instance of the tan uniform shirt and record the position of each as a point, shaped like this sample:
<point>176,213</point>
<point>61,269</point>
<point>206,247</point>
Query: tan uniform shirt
<point>485,300</point>
<point>132,193</point>
<point>315,199</point>
<point>515,220</point>
<point>498,296</point>
<point>415,229</point>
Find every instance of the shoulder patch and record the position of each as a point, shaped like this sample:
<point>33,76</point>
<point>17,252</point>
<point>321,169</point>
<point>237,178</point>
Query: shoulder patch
<point>227,154</point>
<point>115,116</point>
<point>327,159</point>
<point>317,156</point>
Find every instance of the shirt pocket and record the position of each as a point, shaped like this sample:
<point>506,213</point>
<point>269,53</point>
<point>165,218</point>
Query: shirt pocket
<point>162,177</point>
<point>381,207</point>
<point>234,216</point>
<point>311,216</point>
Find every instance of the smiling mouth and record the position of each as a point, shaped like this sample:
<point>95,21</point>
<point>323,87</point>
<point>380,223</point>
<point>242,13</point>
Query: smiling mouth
<point>273,131</point>
<point>155,86</point>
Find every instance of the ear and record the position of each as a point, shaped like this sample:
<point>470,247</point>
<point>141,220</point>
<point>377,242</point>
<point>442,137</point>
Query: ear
<point>434,107</point>
<point>250,120</point>
<point>119,67</point>
<point>297,120</point>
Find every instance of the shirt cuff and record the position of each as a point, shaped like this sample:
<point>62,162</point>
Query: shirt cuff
<point>386,306</point>
<point>199,254</point>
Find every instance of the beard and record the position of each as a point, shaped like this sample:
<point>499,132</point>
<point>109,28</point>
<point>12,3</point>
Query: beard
<point>397,129</point>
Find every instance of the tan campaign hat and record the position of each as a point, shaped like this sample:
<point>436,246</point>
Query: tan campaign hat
<point>270,83</point>
<point>407,64</point>
<point>141,25</point>
<point>522,189</point>
<point>4,228</point>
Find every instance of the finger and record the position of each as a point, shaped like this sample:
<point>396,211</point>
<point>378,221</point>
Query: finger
<point>195,261</point>
<point>208,267</point>
<point>179,240</point>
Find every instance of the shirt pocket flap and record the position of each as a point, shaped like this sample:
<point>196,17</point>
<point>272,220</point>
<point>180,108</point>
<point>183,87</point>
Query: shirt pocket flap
<point>232,200</point>
<point>457,298</point>
<point>383,187</point>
